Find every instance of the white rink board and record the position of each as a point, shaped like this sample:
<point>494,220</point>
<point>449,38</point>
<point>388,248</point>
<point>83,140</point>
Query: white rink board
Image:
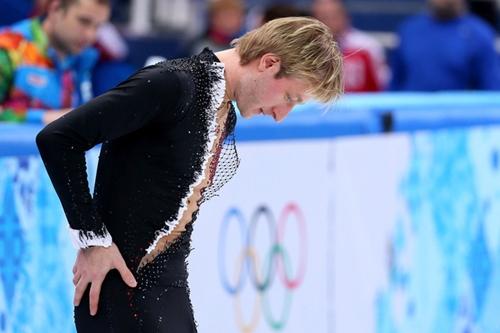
<point>274,176</point>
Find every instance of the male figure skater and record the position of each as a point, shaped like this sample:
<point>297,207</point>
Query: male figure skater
<point>167,147</point>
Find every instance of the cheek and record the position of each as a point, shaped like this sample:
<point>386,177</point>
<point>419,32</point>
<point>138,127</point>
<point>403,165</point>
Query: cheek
<point>82,31</point>
<point>70,30</point>
<point>63,34</point>
<point>265,92</point>
<point>271,98</point>
<point>76,29</point>
<point>252,95</point>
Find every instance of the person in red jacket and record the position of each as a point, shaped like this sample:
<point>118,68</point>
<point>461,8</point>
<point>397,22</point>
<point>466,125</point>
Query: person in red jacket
<point>365,66</point>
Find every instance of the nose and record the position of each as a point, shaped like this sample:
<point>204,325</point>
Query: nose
<point>89,33</point>
<point>281,112</point>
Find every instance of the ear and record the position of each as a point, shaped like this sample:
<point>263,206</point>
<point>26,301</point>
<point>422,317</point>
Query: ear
<point>270,62</point>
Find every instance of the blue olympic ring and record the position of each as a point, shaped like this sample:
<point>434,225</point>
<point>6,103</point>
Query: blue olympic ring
<point>248,264</point>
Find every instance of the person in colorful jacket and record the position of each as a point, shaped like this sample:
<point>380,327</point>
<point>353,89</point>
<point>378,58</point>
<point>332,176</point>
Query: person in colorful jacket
<point>46,62</point>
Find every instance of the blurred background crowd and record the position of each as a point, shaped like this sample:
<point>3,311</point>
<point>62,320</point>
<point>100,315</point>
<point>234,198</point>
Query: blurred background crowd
<point>388,45</point>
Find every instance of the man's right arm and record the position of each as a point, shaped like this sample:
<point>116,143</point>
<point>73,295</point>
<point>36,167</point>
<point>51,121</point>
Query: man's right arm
<point>147,96</point>
<point>122,110</point>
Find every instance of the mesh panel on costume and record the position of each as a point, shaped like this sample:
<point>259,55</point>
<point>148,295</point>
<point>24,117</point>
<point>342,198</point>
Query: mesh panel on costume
<point>226,160</point>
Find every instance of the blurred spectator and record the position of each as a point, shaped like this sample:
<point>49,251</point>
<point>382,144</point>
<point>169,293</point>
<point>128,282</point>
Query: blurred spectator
<point>365,68</point>
<point>45,63</point>
<point>226,19</point>
<point>108,41</point>
<point>111,68</point>
<point>281,10</point>
<point>182,17</point>
<point>445,48</point>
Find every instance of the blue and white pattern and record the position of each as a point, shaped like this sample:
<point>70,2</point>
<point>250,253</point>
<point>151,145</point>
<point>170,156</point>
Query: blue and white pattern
<point>36,256</point>
<point>444,271</point>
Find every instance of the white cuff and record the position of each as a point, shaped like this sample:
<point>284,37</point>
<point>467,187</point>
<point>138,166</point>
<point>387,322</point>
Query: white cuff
<point>82,239</point>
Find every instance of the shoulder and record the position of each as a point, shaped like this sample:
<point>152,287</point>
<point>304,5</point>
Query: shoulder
<point>201,71</point>
<point>478,27</point>
<point>18,41</point>
<point>165,75</point>
<point>166,87</point>
<point>415,22</point>
<point>20,31</point>
<point>10,40</point>
<point>199,77</point>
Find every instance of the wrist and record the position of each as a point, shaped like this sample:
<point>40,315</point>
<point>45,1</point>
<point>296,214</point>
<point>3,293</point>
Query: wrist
<point>83,239</point>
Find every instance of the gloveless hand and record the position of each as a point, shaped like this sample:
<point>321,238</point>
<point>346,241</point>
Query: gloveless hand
<point>91,266</point>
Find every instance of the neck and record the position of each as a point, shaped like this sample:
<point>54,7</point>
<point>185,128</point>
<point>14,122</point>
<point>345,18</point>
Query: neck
<point>52,41</point>
<point>231,61</point>
<point>446,13</point>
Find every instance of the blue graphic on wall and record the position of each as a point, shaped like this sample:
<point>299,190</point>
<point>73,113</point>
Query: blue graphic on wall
<point>35,253</point>
<point>444,267</point>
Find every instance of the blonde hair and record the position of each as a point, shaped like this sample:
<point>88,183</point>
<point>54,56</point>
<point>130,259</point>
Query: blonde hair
<point>307,51</point>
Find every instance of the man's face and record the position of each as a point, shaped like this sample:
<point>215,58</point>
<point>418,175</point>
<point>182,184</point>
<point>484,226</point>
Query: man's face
<point>261,93</point>
<point>446,9</point>
<point>75,27</point>
<point>332,13</point>
<point>228,21</point>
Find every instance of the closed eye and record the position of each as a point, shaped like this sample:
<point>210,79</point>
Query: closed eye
<point>290,100</point>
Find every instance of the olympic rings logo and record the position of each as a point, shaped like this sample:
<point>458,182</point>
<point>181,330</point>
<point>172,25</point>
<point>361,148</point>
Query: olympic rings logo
<point>277,260</point>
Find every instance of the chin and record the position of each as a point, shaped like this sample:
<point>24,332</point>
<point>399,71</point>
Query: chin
<point>79,48</point>
<point>245,114</point>
<point>74,50</point>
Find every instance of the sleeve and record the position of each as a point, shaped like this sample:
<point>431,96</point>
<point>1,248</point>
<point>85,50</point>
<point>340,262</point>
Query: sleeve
<point>150,94</point>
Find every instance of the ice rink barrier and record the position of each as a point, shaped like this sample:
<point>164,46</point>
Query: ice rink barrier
<point>387,207</point>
